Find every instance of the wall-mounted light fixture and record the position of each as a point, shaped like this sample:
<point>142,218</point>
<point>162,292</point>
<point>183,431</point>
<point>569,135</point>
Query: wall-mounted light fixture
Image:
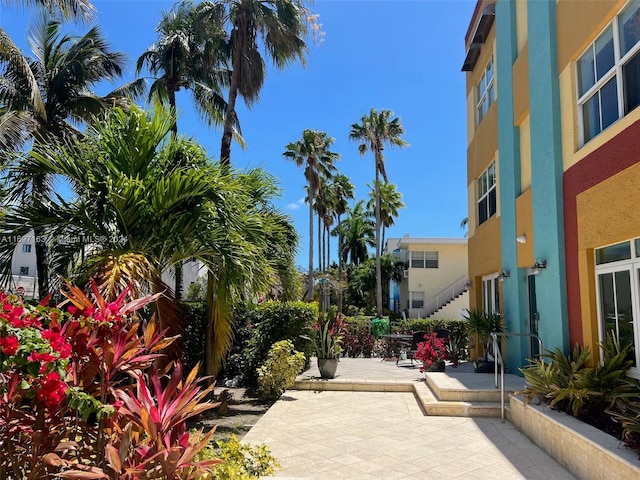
<point>538,266</point>
<point>504,274</point>
<point>521,238</point>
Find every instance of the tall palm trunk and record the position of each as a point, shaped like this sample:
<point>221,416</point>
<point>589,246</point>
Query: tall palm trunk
<point>230,114</point>
<point>328,263</point>
<point>319,244</point>
<point>378,223</point>
<point>177,270</point>
<point>339,264</point>
<point>310,276</point>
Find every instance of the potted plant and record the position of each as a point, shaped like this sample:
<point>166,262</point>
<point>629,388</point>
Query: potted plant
<point>481,325</point>
<point>327,341</point>
<point>432,352</point>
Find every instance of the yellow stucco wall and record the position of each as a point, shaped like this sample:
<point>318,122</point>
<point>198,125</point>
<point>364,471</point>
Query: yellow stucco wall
<point>485,255</point>
<point>605,216</point>
<point>484,145</point>
<point>525,154</point>
<point>521,24</point>
<point>578,23</point>
<point>521,85</point>
<point>524,226</point>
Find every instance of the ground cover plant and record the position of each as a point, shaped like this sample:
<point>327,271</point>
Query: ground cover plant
<point>82,395</point>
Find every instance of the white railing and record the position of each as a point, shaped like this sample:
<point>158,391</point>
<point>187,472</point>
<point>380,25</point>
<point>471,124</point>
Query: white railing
<point>445,296</point>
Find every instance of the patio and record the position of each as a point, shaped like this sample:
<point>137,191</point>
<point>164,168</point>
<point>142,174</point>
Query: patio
<point>379,420</point>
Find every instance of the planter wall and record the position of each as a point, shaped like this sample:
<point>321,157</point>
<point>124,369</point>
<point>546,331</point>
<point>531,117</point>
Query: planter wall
<point>583,450</point>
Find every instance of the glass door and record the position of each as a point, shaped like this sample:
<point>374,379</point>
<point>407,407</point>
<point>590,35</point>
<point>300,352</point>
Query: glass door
<point>532,321</point>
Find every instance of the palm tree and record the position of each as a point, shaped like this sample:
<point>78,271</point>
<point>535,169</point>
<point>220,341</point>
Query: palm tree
<point>281,26</point>
<point>376,129</point>
<point>188,55</point>
<point>144,204</point>
<point>324,202</point>
<point>50,94</point>
<point>312,152</point>
<point>390,203</point>
<point>343,192</point>
<point>77,9</point>
<point>358,232</point>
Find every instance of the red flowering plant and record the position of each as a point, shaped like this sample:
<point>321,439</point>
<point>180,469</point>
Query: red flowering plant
<point>432,351</point>
<point>64,374</point>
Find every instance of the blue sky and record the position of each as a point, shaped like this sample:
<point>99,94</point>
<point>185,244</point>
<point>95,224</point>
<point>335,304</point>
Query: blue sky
<point>391,54</point>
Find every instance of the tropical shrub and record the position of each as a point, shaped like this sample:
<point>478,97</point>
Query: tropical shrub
<point>271,322</point>
<point>326,334</point>
<point>280,370</point>
<point>357,339</point>
<point>597,394</point>
<point>431,351</point>
<point>67,402</point>
<point>457,343</point>
<point>239,461</point>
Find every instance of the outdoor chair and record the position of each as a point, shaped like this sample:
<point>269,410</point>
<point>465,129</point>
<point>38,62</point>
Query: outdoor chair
<point>416,338</point>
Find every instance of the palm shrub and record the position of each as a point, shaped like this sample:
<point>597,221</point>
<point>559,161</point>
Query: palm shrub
<point>568,384</point>
<point>280,370</point>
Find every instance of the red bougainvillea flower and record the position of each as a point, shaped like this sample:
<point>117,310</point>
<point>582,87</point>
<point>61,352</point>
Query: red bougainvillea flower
<point>41,357</point>
<point>52,390</point>
<point>9,345</point>
<point>58,343</point>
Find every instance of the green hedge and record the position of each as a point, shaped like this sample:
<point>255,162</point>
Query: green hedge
<point>458,328</point>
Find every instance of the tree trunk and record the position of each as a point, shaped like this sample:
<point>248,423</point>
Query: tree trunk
<point>378,223</point>
<point>42,269</point>
<point>177,269</point>
<point>208,335</point>
<point>328,264</point>
<point>339,265</point>
<point>230,113</point>
<point>319,244</point>
<point>310,276</point>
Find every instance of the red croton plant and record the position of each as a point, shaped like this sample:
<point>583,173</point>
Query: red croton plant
<point>81,395</point>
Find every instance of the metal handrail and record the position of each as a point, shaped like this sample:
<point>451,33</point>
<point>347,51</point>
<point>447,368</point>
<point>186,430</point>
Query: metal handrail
<point>497,355</point>
<point>448,294</point>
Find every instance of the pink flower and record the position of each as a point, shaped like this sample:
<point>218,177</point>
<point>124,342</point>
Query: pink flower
<point>41,357</point>
<point>52,390</point>
<point>57,342</point>
<point>9,345</point>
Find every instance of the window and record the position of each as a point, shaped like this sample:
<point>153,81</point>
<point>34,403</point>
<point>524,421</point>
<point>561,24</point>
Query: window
<point>487,194</point>
<point>416,299</point>
<point>26,248</point>
<point>24,270</point>
<point>490,294</point>
<point>618,290</point>
<point>485,91</point>
<point>424,259</point>
<point>608,74</point>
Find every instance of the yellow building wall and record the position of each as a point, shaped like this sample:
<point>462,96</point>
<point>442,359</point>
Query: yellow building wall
<point>524,226</point>
<point>525,154</point>
<point>452,264</point>
<point>605,216</point>
<point>521,85</point>
<point>521,24</point>
<point>485,256</point>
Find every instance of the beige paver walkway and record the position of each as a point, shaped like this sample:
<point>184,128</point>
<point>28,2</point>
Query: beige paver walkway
<point>384,435</point>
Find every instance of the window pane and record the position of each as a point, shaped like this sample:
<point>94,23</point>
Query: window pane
<point>605,58</point>
<point>623,303</point>
<point>482,210</point>
<point>613,253</point>
<point>491,175</point>
<point>417,259</point>
<point>609,103</point>
<point>586,71</point>
<point>490,97</point>
<point>607,304</point>
<point>631,80</point>
<point>492,203</point>
<point>630,26</point>
<point>591,117</point>
<point>482,188</point>
<point>638,247</point>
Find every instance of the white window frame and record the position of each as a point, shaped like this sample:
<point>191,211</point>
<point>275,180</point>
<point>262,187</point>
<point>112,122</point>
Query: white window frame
<point>24,270</point>
<point>491,293</point>
<point>422,259</point>
<point>484,180</point>
<point>485,90</point>
<point>631,265</point>
<point>411,299</point>
<point>615,71</point>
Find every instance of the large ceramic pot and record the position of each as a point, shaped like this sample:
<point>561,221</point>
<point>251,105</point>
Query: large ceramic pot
<point>327,367</point>
<point>435,367</point>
